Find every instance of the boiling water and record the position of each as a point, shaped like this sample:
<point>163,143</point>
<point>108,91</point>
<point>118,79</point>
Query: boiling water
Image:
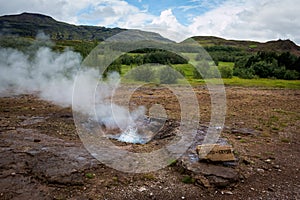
<point>130,135</point>
<point>141,132</point>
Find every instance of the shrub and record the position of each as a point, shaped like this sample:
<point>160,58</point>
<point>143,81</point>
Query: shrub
<point>268,65</point>
<point>201,70</point>
<point>291,75</point>
<point>168,75</point>
<point>113,67</point>
<point>226,71</point>
<point>142,73</point>
<point>180,70</point>
<point>247,73</point>
<point>196,74</point>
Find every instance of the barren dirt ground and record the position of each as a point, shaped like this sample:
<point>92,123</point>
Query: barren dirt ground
<point>39,143</point>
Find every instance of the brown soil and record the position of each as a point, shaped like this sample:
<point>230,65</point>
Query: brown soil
<point>263,125</point>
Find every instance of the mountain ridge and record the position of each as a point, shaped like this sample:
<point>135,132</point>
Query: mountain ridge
<point>30,24</point>
<point>248,45</point>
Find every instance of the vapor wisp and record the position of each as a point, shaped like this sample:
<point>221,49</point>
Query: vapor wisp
<point>51,75</point>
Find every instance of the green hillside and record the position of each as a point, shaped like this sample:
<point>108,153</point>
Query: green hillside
<point>232,58</point>
<point>29,25</point>
<point>278,46</point>
<point>249,59</point>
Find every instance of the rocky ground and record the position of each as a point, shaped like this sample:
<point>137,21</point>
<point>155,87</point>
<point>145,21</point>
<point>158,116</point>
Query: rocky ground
<point>42,157</point>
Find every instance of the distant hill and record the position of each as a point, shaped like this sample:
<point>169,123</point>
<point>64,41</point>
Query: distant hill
<point>245,59</point>
<point>250,46</point>
<point>29,24</point>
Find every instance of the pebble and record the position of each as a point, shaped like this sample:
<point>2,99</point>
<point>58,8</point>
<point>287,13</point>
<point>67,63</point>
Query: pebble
<point>142,189</point>
<point>276,166</point>
<point>260,170</point>
<point>268,160</point>
<point>228,192</point>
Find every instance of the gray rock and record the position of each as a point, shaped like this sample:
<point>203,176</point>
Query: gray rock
<point>47,158</point>
<point>260,170</point>
<point>218,181</point>
<point>209,174</point>
<point>245,131</point>
<point>217,175</point>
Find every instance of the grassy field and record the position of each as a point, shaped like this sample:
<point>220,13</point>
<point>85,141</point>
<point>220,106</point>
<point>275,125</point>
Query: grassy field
<point>270,83</point>
<point>226,64</point>
<point>263,83</point>
<point>235,81</point>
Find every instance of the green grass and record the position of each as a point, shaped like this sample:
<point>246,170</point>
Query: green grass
<point>235,81</point>
<point>269,83</point>
<point>125,69</point>
<point>149,176</point>
<point>226,64</point>
<point>285,140</point>
<point>172,162</point>
<point>188,180</point>
<point>243,141</point>
<point>187,68</point>
<point>90,175</point>
<point>260,83</point>
<point>252,46</point>
<point>191,56</point>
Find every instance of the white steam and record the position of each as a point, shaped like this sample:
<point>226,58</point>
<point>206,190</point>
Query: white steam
<point>47,73</point>
<point>51,75</point>
<point>111,114</point>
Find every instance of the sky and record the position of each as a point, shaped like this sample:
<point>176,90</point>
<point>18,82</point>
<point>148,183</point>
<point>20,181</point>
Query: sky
<point>259,20</point>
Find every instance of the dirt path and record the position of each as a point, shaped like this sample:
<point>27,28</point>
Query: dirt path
<point>41,156</point>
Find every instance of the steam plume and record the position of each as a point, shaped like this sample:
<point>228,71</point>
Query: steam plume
<point>51,76</point>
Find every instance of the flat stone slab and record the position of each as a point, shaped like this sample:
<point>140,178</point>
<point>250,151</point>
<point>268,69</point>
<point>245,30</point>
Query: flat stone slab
<point>214,175</point>
<point>219,173</point>
<point>215,152</point>
<point>53,160</point>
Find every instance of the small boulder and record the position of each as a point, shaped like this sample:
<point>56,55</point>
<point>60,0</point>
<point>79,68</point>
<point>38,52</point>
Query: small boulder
<point>215,152</point>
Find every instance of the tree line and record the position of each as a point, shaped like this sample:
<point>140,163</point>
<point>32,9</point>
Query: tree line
<point>152,56</point>
<point>268,65</point>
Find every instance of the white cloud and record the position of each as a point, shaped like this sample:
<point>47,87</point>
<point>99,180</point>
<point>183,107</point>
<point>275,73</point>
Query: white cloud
<point>216,21</point>
<point>136,20</point>
<point>243,19</point>
<point>186,8</point>
<point>64,10</point>
<point>108,13</point>
<point>168,26</point>
<point>254,20</point>
<point>166,18</point>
